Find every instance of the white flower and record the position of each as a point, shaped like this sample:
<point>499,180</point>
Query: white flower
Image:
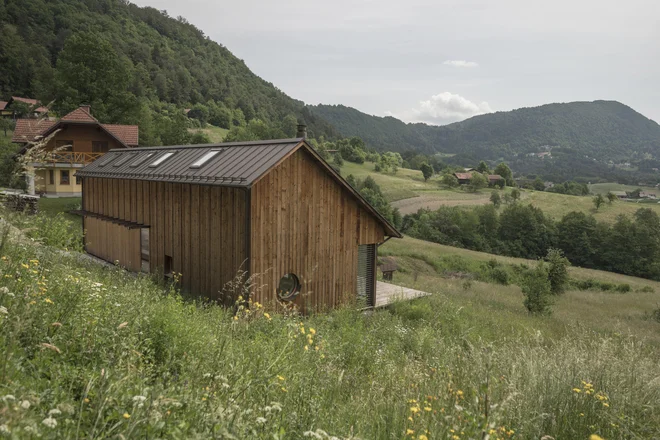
<point>4,429</point>
<point>8,398</point>
<point>50,422</point>
<point>139,399</point>
<point>25,404</point>
<point>11,295</point>
<point>312,434</point>
<point>225,385</point>
<point>3,310</point>
<point>4,290</point>
<point>207,375</point>
<point>54,412</point>
<point>261,420</point>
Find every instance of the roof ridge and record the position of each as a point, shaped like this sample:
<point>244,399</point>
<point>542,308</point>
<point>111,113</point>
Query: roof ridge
<point>222,144</point>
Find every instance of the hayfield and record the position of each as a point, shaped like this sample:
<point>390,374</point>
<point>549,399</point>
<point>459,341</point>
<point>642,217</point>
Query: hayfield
<point>92,351</point>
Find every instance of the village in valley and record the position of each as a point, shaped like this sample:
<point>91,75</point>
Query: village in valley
<point>186,251</point>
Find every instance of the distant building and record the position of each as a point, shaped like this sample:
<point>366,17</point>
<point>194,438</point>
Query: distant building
<point>80,139</point>
<point>647,195</point>
<point>620,194</point>
<point>7,110</point>
<point>494,178</point>
<point>464,178</point>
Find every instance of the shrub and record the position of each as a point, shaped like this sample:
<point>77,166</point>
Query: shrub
<point>623,288</point>
<point>537,289</point>
<point>557,271</point>
<point>646,289</point>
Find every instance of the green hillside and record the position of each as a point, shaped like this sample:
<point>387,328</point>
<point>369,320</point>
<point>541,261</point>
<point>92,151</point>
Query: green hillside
<point>121,58</point>
<point>607,130</point>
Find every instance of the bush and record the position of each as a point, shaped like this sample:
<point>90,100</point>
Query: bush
<point>557,271</point>
<point>537,290</point>
<point>623,288</point>
<point>646,289</point>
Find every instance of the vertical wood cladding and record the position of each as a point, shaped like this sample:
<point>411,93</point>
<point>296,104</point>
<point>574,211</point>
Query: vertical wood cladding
<point>304,223</point>
<point>202,228</point>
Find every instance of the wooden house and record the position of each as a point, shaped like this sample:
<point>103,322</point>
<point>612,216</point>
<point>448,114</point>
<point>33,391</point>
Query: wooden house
<point>79,139</point>
<point>274,209</point>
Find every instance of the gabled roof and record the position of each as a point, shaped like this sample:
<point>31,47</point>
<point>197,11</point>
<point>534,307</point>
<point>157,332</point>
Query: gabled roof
<point>236,164</point>
<point>3,104</point>
<point>31,102</point>
<point>28,130</point>
<point>463,176</point>
<point>495,177</point>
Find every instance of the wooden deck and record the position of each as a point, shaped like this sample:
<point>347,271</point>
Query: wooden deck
<point>387,293</point>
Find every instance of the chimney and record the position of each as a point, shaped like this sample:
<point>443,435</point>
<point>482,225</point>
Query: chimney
<point>87,108</point>
<point>302,131</point>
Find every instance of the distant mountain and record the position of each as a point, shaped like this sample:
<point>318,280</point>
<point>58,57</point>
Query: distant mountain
<point>607,130</point>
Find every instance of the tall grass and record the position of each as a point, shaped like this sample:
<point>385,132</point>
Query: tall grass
<point>94,352</point>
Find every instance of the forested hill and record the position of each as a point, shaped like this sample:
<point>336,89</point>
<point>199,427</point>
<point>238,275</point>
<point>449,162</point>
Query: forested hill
<point>603,129</point>
<point>127,62</point>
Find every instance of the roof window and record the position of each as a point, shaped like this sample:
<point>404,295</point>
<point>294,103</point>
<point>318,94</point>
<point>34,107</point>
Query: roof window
<point>141,159</point>
<point>109,158</point>
<point>125,157</point>
<point>162,159</point>
<point>205,158</point>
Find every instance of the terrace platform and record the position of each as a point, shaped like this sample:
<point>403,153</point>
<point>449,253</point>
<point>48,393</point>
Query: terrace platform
<point>387,293</point>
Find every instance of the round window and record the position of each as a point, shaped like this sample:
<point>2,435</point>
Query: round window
<point>289,287</point>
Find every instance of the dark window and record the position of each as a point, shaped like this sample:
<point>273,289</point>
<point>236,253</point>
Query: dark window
<point>78,180</point>
<point>51,176</point>
<point>99,146</point>
<point>64,177</point>
<point>64,145</point>
<point>167,268</point>
<point>289,287</point>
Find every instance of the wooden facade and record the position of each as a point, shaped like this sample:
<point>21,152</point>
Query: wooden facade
<point>297,217</point>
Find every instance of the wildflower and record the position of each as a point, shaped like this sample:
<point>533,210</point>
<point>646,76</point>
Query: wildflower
<point>33,302</point>
<point>127,415</point>
<point>606,405</point>
<point>235,318</point>
<point>3,310</point>
<point>595,437</point>
<point>414,409</point>
<point>280,377</point>
<point>427,408</point>
<point>25,266</point>
<point>122,325</point>
<point>306,347</point>
<point>49,422</point>
<point>422,437</point>
<point>8,398</point>
<point>139,399</point>
<point>54,412</point>
<point>4,429</point>
<point>49,301</point>
<point>577,390</point>
<point>284,390</point>
<point>267,315</point>
<point>455,437</point>
<point>312,331</point>
<point>25,404</point>
<point>302,330</point>
<point>409,432</point>
<point>4,290</point>
<point>261,420</point>
<point>581,414</point>
<point>459,393</point>
<point>86,400</point>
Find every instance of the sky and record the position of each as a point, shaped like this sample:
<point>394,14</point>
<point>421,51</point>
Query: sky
<point>441,61</point>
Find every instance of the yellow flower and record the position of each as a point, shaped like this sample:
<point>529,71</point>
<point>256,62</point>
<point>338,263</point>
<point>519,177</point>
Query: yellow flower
<point>267,315</point>
<point>409,432</point>
<point>302,330</point>
<point>455,437</point>
<point>312,331</point>
<point>595,437</point>
<point>581,414</point>
<point>459,393</point>
<point>410,418</point>
<point>606,405</point>
<point>25,266</point>
<point>284,390</point>
<point>414,409</point>
<point>280,377</point>
<point>423,437</point>
<point>427,408</point>
<point>577,390</point>
<point>203,399</point>
<point>235,318</point>
<point>49,301</point>
<point>306,347</point>
<point>127,416</point>
<point>86,400</point>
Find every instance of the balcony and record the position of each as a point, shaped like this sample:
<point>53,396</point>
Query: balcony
<point>71,157</point>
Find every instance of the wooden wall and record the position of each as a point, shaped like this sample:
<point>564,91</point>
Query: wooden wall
<point>202,228</point>
<point>304,223</point>
<point>82,137</point>
<point>113,243</point>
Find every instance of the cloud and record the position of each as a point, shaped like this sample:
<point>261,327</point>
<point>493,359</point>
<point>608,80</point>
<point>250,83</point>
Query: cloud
<point>444,108</point>
<point>460,63</point>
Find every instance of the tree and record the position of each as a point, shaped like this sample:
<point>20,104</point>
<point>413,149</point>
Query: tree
<point>5,124</point>
<point>536,288</point>
<point>427,170</point>
<point>557,271</point>
<point>483,168</point>
<point>477,181</point>
<point>611,197</point>
<point>515,194</point>
<point>598,201</point>
<point>503,170</point>
<point>449,180</point>
<point>495,199</point>
<point>390,161</point>
<point>634,194</point>
<point>538,184</point>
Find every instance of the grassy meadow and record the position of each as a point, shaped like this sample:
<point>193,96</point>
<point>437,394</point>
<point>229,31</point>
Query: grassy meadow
<point>407,191</point>
<point>92,351</point>
<point>215,134</point>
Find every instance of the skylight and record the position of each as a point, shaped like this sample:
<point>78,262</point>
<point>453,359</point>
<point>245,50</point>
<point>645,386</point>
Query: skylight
<point>109,158</point>
<point>202,160</point>
<point>162,159</point>
<point>141,160</point>
<point>125,157</point>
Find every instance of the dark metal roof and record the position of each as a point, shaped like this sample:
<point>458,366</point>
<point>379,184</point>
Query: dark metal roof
<point>237,164</point>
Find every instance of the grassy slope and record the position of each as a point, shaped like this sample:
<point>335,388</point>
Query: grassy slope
<point>118,355</point>
<point>409,192</point>
<point>216,134</point>
<point>604,311</point>
<point>604,188</point>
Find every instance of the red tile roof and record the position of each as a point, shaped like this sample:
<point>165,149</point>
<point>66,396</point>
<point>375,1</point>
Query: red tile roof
<point>495,177</point>
<point>3,104</point>
<point>31,102</point>
<point>81,114</point>
<point>463,176</point>
<point>126,133</point>
<point>27,130</point>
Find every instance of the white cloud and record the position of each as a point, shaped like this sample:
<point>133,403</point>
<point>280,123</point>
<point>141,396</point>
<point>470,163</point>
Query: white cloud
<point>460,63</point>
<point>444,108</point>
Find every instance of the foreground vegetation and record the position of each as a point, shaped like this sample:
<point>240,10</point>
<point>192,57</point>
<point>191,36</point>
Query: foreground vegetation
<point>92,351</point>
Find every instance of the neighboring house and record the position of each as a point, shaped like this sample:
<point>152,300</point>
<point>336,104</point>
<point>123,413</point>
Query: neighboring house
<point>620,194</point>
<point>80,139</point>
<point>274,209</point>
<point>7,111</point>
<point>464,178</point>
<point>646,195</point>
